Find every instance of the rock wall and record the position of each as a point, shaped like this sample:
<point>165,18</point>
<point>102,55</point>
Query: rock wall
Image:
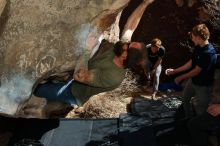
<point>2,6</point>
<point>41,35</point>
<point>44,37</point>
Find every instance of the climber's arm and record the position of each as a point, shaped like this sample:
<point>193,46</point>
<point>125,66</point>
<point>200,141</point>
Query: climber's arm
<point>134,20</point>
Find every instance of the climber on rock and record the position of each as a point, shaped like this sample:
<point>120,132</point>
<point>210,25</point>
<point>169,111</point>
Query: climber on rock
<point>105,70</point>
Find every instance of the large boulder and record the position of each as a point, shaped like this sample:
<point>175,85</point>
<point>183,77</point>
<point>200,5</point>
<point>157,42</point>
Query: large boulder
<point>41,38</point>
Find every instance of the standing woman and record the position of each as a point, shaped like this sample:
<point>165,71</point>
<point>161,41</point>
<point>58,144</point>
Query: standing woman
<point>155,53</point>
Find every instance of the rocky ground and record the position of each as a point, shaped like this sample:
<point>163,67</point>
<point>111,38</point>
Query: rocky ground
<point>111,107</point>
<point>104,105</point>
<point>108,104</point>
